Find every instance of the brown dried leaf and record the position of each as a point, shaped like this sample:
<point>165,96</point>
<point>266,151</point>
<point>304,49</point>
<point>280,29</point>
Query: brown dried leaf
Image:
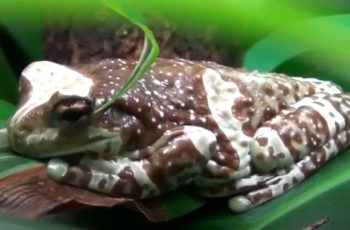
<point>32,194</point>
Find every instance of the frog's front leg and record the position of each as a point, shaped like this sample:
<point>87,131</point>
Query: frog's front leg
<point>175,159</point>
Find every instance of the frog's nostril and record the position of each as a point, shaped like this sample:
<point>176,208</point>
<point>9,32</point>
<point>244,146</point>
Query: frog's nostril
<point>73,110</point>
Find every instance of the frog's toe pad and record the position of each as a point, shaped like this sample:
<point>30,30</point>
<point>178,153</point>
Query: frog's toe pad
<point>57,169</point>
<point>239,204</point>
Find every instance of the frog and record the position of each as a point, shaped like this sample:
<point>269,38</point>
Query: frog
<point>245,135</point>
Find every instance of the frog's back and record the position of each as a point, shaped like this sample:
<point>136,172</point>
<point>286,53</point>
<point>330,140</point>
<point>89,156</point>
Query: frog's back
<point>229,102</point>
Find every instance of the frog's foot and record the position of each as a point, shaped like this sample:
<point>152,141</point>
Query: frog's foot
<point>175,159</point>
<point>289,177</point>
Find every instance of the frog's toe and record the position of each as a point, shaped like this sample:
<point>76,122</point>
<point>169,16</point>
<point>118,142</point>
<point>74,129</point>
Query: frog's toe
<point>57,169</point>
<point>60,171</point>
<point>239,204</point>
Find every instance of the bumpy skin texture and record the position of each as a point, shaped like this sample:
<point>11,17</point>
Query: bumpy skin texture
<point>248,135</point>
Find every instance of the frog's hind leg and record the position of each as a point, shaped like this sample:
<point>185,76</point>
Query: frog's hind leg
<point>258,189</point>
<point>292,176</point>
<point>175,159</point>
<point>296,143</point>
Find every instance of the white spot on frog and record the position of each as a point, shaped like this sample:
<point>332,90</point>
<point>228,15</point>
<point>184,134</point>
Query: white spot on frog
<point>192,117</point>
<point>161,114</point>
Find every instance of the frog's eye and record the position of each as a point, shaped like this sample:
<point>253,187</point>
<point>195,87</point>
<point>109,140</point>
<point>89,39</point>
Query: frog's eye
<point>72,113</point>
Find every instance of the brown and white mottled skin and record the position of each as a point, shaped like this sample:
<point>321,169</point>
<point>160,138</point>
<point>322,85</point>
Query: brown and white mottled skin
<point>247,135</point>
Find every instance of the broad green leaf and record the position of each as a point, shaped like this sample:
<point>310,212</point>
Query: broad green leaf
<point>8,85</point>
<point>181,203</point>
<point>6,109</point>
<point>310,64</point>
<point>30,11</point>
<point>316,34</point>
<point>237,21</point>
<point>5,112</point>
<point>9,162</point>
<point>28,38</point>
<point>13,223</point>
<point>149,52</point>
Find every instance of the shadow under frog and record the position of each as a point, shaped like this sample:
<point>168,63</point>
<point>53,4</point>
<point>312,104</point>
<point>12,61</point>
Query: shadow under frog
<point>246,135</point>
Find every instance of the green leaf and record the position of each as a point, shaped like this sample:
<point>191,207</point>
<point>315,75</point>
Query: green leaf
<point>180,203</point>
<point>149,52</point>
<point>13,223</point>
<point>8,84</point>
<point>315,34</point>
<point>31,11</point>
<point>28,38</point>
<point>5,112</point>
<point>310,64</point>
<point>10,163</point>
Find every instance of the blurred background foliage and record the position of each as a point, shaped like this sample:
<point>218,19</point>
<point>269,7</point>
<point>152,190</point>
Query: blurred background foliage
<point>309,38</point>
<point>296,37</point>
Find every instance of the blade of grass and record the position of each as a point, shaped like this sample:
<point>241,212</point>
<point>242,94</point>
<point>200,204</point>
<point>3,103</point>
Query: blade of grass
<point>149,52</point>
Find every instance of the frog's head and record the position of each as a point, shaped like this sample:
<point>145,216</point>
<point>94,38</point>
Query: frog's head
<point>54,115</point>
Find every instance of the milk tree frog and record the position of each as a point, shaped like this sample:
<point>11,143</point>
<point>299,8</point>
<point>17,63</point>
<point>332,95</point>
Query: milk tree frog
<point>249,136</point>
